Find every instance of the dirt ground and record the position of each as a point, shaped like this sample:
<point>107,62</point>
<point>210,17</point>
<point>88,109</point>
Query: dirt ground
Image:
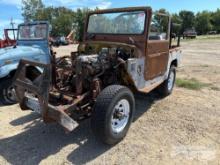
<point>183,128</point>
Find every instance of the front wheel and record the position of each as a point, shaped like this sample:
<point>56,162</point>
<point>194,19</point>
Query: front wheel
<point>113,113</point>
<point>7,92</point>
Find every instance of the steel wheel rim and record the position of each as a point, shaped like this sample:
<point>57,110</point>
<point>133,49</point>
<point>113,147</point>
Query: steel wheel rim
<point>10,93</point>
<point>171,81</point>
<point>120,116</point>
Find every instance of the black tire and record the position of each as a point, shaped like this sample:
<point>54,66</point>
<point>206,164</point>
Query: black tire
<point>104,108</point>
<point>6,97</point>
<point>164,88</point>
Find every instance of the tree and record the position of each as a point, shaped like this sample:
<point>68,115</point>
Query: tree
<point>187,19</point>
<point>62,20</point>
<point>176,19</point>
<point>177,23</point>
<point>163,21</point>
<point>79,21</point>
<point>215,20</point>
<point>30,8</point>
<point>45,14</point>
<point>203,22</point>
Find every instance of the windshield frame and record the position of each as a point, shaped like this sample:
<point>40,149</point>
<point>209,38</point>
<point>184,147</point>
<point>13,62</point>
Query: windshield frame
<point>112,11</point>
<point>32,24</point>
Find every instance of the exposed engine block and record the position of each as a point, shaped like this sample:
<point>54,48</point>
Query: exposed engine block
<point>86,68</point>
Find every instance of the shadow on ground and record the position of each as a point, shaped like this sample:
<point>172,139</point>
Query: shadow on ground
<point>40,141</point>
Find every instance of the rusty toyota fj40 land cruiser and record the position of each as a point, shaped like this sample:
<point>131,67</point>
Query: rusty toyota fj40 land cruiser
<point>124,51</point>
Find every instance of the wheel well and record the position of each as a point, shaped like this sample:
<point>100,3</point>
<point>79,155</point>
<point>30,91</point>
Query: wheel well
<point>12,73</point>
<point>174,63</point>
<point>126,80</point>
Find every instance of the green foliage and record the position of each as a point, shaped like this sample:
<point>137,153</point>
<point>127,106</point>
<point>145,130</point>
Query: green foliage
<point>161,20</point>
<point>214,88</point>
<point>60,18</point>
<point>30,8</point>
<point>79,22</point>
<point>203,23</point>
<point>176,21</point>
<point>64,20</point>
<point>192,84</point>
<point>215,20</point>
<point>187,19</point>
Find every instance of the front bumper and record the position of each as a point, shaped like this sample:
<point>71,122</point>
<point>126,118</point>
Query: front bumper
<point>35,96</point>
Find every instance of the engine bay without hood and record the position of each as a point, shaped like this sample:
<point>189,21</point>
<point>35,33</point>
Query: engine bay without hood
<point>92,68</point>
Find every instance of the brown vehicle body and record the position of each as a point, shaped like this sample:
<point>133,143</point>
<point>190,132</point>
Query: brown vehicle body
<point>68,88</point>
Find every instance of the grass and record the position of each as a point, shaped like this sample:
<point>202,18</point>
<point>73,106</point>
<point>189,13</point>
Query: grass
<point>203,37</point>
<point>204,66</point>
<point>191,84</point>
<point>214,88</point>
<point>217,36</point>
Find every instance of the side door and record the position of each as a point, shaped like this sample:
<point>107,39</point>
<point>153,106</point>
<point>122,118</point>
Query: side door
<point>157,52</point>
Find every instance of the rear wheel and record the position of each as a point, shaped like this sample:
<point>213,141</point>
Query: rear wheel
<point>167,87</point>
<point>7,92</point>
<point>113,113</point>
